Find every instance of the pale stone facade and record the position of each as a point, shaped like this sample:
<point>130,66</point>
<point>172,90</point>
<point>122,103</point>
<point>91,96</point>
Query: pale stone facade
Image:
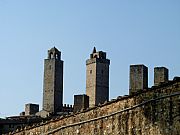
<point>97,78</point>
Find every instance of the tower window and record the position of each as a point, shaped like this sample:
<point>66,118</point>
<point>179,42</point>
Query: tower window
<point>90,71</point>
<point>51,55</point>
<point>50,67</point>
<point>57,57</point>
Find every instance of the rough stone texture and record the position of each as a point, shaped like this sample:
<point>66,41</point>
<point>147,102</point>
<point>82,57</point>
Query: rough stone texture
<point>155,111</point>
<point>80,102</point>
<point>138,78</point>
<point>53,82</point>
<point>31,109</point>
<point>97,78</point>
<point>14,123</point>
<point>161,75</point>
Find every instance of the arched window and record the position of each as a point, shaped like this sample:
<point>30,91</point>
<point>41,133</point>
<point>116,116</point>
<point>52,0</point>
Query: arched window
<point>51,55</point>
<point>95,56</point>
<point>90,71</point>
<point>57,56</point>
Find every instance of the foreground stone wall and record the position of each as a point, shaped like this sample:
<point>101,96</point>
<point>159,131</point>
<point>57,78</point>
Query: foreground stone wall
<point>153,112</point>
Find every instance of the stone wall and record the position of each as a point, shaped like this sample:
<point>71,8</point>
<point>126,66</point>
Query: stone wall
<point>154,111</point>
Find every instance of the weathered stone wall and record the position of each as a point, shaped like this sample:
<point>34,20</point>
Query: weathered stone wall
<point>153,112</point>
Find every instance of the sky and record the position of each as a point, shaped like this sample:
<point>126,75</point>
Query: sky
<point>130,31</point>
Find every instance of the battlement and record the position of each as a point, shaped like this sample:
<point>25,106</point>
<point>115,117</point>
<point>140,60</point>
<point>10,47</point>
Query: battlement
<point>97,57</point>
<point>67,108</point>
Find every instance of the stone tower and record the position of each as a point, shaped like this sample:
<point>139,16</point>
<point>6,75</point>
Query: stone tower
<point>97,78</point>
<point>138,78</point>
<point>53,82</point>
<point>161,75</point>
<point>80,102</point>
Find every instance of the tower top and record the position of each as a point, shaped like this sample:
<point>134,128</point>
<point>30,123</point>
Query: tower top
<point>54,49</point>
<point>94,50</point>
<point>54,53</point>
<point>99,54</point>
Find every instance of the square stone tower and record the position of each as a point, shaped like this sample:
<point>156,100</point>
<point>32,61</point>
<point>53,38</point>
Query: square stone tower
<point>53,82</point>
<point>97,78</point>
<point>161,75</point>
<point>31,109</point>
<point>138,78</point>
<point>80,102</point>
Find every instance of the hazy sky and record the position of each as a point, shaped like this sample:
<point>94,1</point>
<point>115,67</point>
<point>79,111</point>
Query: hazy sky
<point>130,31</point>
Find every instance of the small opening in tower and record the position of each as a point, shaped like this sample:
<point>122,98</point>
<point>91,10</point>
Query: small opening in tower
<point>57,56</point>
<point>90,71</point>
<point>95,56</point>
<point>51,55</point>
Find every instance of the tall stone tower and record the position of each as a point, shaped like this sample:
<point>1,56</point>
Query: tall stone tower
<point>97,78</point>
<point>138,78</point>
<point>53,82</point>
